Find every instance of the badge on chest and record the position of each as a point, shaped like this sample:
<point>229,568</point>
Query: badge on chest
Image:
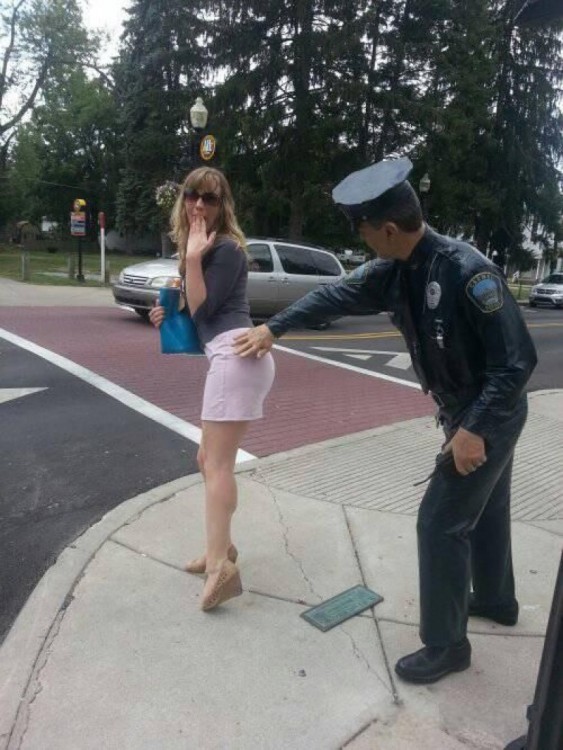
<point>433,295</point>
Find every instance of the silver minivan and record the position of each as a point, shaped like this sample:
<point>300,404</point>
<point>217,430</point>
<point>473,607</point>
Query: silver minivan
<point>280,272</point>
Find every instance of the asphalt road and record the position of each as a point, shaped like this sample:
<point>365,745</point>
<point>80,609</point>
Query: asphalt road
<point>69,453</point>
<point>373,345</point>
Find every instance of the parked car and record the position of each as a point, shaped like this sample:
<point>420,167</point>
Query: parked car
<point>549,292</point>
<point>352,257</point>
<point>280,272</point>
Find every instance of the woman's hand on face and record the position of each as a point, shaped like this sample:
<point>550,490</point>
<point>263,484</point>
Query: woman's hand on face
<point>157,315</point>
<point>198,241</point>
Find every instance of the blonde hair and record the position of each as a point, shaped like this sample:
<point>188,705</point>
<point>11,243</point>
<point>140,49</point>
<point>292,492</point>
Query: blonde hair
<point>205,179</point>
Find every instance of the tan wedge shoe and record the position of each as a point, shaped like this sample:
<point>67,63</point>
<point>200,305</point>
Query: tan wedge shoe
<point>227,586</point>
<point>198,565</point>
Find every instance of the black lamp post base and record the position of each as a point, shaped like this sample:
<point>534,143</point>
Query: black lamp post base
<point>80,277</point>
<point>519,744</point>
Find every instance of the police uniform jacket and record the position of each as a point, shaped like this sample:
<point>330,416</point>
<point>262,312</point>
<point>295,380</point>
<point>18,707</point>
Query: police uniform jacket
<point>465,333</point>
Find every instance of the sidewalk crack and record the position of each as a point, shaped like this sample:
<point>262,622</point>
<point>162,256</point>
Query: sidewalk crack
<point>146,555</point>
<point>394,691</point>
<point>285,534</point>
<point>34,686</point>
<point>359,654</point>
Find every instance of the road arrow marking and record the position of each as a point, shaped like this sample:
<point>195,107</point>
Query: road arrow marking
<point>399,360</point>
<point>9,394</point>
<point>181,427</point>
<point>343,365</point>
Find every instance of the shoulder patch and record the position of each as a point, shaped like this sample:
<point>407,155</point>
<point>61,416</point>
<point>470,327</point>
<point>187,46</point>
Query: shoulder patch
<point>485,291</point>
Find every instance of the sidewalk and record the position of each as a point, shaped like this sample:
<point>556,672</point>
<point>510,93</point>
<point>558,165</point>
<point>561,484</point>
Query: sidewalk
<point>112,652</point>
<point>15,294</point>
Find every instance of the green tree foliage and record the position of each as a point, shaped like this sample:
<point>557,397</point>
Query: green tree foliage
<point>157,78</point>
<point>68,149</point>
<point>315,89</point>
<point>300,93</point>
<point>18,190</point>
<point>52,118</point>
<point>526,134</point>
<point>40,40</point>
<point>280,112</point>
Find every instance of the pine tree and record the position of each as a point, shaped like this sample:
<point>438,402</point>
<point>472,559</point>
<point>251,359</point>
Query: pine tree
<point>280,106</point>
<point>303,92</point>
<point>158,75</point>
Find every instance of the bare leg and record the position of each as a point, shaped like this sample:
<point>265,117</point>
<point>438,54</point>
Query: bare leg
<point>198,564</point>
<point>201,456</point>
<point>221,441</point>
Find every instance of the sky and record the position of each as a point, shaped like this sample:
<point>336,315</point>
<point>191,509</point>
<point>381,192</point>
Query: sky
<point>107,15</point>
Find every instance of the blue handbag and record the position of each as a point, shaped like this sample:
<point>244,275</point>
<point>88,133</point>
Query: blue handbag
<point>178,334</point>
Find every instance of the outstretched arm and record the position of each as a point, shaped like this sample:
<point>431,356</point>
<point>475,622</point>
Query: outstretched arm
<point>360,293</point>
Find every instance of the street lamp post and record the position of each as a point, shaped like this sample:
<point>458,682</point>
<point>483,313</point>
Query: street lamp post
<point>424,189</point>
<point>198,120</point>
<point>190,141</point>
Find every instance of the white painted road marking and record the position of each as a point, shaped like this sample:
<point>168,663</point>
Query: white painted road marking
<point>351,368</point>
<point>399,360</point>
<point>402,361</point>
<point>164,418</point>
<point>9,394</point>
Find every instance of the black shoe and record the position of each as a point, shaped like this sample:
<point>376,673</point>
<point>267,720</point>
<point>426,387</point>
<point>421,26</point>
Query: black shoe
<point>432,663</point>
<point>503,614</point>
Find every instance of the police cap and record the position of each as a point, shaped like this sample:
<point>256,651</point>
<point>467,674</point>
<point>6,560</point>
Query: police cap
<point>365,193</point>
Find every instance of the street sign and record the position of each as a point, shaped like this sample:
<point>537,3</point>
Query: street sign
<point>207,147</point>
<point>78,223</point>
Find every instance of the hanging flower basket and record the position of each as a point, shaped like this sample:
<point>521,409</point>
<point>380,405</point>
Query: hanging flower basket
<point>165,195</point>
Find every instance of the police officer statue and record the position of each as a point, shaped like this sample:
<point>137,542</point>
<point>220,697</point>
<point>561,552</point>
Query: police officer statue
<point>472,352</point>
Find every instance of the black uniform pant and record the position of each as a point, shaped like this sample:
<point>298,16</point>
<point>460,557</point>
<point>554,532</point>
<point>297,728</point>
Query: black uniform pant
<point>464,534</point>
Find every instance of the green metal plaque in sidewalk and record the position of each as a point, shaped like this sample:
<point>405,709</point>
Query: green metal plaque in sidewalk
<point>341,607</point>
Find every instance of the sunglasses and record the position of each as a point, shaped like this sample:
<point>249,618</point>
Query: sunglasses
<point>208,199</point>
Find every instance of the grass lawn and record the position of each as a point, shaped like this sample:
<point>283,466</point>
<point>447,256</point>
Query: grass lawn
<point>521,291</point>
<point>52,268</point>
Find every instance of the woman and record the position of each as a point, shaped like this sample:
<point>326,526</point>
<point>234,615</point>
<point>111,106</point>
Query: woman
<point>214,269</point>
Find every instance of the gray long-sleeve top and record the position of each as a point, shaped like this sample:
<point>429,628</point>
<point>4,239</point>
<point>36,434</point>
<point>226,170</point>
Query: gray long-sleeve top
<point>225,273</point>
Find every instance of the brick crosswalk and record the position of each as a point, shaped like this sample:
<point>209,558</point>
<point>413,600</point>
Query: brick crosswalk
<point>310,401</point>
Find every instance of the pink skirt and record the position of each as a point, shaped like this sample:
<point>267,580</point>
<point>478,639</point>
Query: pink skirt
<point>235,388</point>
